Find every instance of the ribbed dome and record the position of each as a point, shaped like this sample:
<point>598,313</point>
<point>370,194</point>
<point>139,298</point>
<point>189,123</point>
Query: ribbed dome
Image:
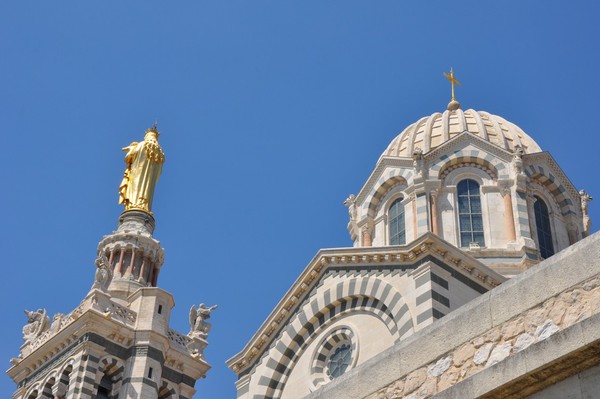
<point>432,131</point>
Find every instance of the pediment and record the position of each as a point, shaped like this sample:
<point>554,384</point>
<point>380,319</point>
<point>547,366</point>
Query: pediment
<point>552,170</point>
<point>467,143</point>
<point>360,260</point>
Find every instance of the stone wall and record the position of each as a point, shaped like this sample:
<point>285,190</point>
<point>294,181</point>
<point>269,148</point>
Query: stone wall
<point>532,323</point>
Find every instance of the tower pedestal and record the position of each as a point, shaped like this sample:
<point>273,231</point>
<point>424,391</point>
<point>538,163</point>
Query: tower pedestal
<point>133,255</point>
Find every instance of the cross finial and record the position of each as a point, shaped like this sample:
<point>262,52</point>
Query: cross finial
<point>453,105</point>
<point>453,81</point>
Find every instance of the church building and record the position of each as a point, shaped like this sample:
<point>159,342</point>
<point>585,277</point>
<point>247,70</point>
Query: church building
<point>471,274</point>
<point>459,203</point>
<point>117,343</point>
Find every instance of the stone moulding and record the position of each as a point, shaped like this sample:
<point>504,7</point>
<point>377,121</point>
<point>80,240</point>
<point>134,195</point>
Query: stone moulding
<point>427,244</point>
<point>97,302</point>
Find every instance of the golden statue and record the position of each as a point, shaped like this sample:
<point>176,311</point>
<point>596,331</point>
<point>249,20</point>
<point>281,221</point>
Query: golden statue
<point>144,163</point>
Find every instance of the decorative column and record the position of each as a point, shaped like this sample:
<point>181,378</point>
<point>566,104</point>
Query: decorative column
<point>413,200</point>
<point>520,190</point>
<point>367,235</point>
<point>522,209</point>
<point>422,212</point>
<point>509,218</point>
<point>435,226</point>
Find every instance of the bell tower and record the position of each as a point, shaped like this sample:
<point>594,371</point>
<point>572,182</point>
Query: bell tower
<point>117,343</point>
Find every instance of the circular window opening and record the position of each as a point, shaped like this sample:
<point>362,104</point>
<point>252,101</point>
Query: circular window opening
<point>336,354</point>
<point>339,361</point>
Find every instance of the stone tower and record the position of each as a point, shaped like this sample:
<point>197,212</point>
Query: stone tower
<point>117,343</point>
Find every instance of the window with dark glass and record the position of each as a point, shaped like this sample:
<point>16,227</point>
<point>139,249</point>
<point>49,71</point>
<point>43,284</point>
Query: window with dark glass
<point>104,388</point>
<point>340,360</point>
<point>542,224</point>
<point>469,213</point>
<point>397,226</point>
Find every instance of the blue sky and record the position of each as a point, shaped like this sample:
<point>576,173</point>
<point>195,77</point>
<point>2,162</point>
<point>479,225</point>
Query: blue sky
<point>271,113</point>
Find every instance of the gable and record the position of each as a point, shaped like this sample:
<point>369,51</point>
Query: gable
<point>375,285</point>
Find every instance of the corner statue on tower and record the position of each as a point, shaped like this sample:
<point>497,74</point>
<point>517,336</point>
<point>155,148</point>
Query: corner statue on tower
<point>144,163</point>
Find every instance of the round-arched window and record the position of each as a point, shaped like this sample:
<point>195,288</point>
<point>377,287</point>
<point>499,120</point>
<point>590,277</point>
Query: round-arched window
<point>334,355</point>
<point>397,225</point>
<point>542,225</point>
<point>469,213</point>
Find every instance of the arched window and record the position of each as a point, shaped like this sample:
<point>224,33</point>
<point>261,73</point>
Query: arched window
<point>397,225</point>
<point>542,224</point>
<point>469,213</point>
<point>105,388</point>
<point>47,391</point>
<point>166,391</point>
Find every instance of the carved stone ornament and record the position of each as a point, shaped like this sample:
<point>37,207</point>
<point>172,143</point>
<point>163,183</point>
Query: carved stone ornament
<point>517,161</point>
<point>57,321</point>
<point>199,327</point>
<point>350,202</point>
<point>587,222</point>
<point>417,157</point>
<point>37,322</point>
<point>103,273</point>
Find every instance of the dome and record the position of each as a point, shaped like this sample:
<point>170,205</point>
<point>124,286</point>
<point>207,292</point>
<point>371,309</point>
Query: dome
<point>431,131</point>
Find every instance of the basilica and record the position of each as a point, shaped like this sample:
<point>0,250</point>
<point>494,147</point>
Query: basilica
<point>462,207</point>
<point>472,274</point>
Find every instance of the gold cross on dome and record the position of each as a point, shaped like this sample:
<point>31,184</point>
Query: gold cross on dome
<point>453,81</point>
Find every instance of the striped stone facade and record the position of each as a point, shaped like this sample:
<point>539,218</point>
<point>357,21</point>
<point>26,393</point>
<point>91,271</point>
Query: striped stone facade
<point>349,305</point>
<point>114,345</point>
<point>371,299</point>
<point>428,189</point>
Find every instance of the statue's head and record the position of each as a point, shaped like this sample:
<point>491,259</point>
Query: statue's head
<point>153,130</point>
<point>32,315</point>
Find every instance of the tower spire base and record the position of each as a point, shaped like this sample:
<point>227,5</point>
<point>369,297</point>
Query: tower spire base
<point>134,256</point>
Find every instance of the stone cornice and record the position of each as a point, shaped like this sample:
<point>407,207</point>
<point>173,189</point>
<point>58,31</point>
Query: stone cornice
<point>98,313</point>
<point>428,244</point>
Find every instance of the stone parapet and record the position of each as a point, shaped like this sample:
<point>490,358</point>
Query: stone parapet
<point>517,335</point>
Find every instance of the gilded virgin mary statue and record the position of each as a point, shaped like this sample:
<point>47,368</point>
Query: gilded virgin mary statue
<point>144,163</point>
